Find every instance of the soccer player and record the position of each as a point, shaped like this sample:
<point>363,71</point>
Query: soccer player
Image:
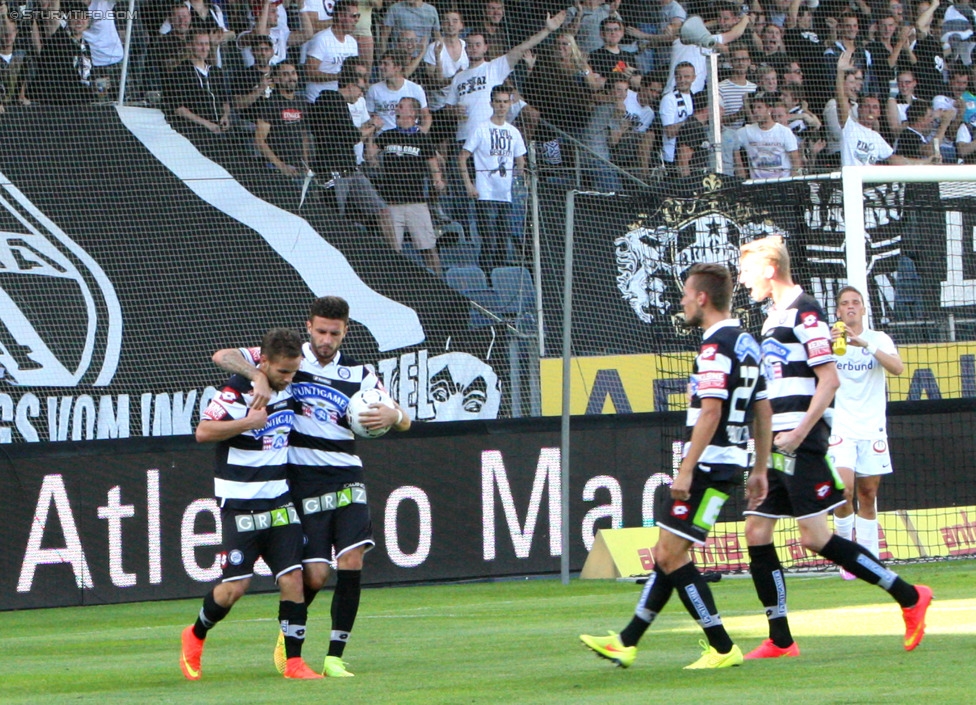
<point>726,391</point>
<point>258,517</point>
<point>859,415</point>
<point>801,379</point>
<point>324,473</point>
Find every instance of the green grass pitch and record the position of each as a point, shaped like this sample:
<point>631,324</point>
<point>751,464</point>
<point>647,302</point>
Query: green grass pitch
<point>507,642</point>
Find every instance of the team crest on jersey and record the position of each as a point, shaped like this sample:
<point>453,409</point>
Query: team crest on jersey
<point>879,446</point>
<point>344,373</point>
<point>654,255</point>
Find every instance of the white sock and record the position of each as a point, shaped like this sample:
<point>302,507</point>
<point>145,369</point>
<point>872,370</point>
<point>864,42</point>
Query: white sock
<point>844,526</point>
<point>867,535</point>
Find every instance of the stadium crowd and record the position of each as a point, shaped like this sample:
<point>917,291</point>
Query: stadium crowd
<point>804,86</point>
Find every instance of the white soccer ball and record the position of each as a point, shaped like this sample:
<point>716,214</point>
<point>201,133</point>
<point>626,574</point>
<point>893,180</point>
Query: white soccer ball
<point>359,403</point>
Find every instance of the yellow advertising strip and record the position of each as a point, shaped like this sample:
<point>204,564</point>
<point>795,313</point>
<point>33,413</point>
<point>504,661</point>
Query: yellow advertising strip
<point>905,535</point>
<point>601,384</point>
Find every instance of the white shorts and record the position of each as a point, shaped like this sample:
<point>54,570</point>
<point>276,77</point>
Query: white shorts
<point>413,218</point>
<point>869,457</point>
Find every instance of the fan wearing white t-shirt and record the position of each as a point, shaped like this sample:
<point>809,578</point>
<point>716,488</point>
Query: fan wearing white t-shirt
<point>469,97</point>
<point>327,50</point>
<point>383,97</point>
<point>499,151</point>
<point>771,149</point>
<point>860,145</point>
<point>676,107</point>
<point>444,59</point>
<point>859,440</point>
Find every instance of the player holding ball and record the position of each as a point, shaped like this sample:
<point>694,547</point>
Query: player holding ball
<point>325,475</point>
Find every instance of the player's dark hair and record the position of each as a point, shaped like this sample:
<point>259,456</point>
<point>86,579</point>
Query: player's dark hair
<point>334,308</point>
<point>345,6</point>
<point>845,290</point>
<point>609,21</point>
<point>281,343</point>
<point>716,281</point>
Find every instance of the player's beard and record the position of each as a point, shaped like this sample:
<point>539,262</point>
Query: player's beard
<point>695,320</point>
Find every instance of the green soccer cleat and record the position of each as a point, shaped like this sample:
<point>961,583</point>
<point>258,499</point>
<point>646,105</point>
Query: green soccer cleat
<point>611,648</point>
<point>711,658</point>
<point>280,659</point>
<point>335,667</point>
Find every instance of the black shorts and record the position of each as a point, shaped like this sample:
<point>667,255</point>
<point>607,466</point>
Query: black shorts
<point>335,522</point>
<point>811,488</point>
<point>276,536</point>
<point>694,518</point>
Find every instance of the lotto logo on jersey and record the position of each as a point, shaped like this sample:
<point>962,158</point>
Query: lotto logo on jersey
<point>680,510</point>
<point>819,347</point>
<point>708,352</point>
<point>711,380</point>
<point>810,320</point>
<point>823,490</point>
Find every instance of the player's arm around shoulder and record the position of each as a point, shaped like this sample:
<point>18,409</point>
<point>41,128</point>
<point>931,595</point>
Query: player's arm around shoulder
<point>233,360</point>
<point>228,416</point>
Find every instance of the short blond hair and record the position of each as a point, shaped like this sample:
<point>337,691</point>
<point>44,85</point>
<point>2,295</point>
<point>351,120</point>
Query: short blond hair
<point>773,251</point>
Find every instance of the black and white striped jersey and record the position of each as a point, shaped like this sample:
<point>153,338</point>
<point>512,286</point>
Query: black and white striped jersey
<point>728,368</point>
<point>251,468</point>
<point>795,340</point>
<point>322,450</point>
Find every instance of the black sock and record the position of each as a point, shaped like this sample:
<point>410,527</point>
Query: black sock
<point>293,617</point>
<point>856,559</point>
<point>698,600</point>
<point>655,595</point>
<point>767,576</point>
<point>310,594</point>
<point>210,614</point>
<point>345,606</point>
